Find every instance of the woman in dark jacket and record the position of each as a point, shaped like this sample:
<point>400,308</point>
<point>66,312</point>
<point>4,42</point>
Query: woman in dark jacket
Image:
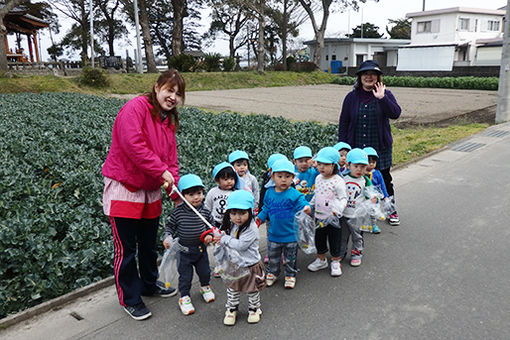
<point>364,120</point>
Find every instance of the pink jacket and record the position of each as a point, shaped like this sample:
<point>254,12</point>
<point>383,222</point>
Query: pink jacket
<point>142,148</point>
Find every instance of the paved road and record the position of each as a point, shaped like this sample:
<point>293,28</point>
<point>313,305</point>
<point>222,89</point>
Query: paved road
<point>442,274</point>
<point>323,102</point>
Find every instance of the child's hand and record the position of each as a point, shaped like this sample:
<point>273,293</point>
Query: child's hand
<point>373,199</point>
<point>166,243</point>
<point>208,239</point>
<point>217,239</point>
<point>307,210</point>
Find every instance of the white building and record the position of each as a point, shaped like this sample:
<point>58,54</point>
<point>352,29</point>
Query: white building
<point>351,52</point>
<point>443,38</point>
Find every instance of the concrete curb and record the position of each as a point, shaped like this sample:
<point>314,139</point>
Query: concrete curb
<point>54,303</point>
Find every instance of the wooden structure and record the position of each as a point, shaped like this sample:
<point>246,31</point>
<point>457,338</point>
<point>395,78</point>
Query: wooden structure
<point>20,22</point>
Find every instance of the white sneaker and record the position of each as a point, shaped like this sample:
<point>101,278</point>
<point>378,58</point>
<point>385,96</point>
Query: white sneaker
<point>336,268</point>
<point>318,264</point>
<point>290,282</point>
<point>207,294</point>
<point>186,305</point>
<point>270,279</point>
<point>230,317</point>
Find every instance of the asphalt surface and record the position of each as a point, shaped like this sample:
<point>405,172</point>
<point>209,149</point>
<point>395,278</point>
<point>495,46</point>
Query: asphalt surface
<point>442,274</point>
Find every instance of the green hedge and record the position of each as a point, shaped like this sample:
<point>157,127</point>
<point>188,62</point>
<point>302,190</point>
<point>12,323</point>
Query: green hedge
<point>478,83</point>
<point>54,237</point>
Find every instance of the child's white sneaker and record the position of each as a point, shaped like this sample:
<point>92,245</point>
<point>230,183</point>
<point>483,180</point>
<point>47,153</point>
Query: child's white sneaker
<point>230,317</point>
<point>270,279</point>
<point>207,293</point>
<point>336,268</point>
<point>290,282</point>
<point>356,262</point>
<point>186,305</point>
<point>254,316</point>
<point>318,264</point>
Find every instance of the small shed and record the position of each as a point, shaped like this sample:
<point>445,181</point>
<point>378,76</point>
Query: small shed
<point>19,22</point>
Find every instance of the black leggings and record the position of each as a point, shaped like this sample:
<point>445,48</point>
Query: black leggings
<point>387,181</point>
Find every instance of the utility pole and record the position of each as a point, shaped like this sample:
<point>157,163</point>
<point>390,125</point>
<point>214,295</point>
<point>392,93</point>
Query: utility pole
<point>423,7</point>
<point>91,34</point>
<point>139,65</point>
<point>503,109</point>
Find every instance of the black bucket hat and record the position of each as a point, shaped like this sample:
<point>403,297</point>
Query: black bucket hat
<point>369,65</point>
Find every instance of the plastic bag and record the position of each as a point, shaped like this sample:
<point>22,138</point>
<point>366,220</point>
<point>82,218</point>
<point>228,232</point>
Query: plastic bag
<point>333,221</point>
<point>227,266</point>
<point>388,207</point>
<point>306,232</point>
<point>168,274</point>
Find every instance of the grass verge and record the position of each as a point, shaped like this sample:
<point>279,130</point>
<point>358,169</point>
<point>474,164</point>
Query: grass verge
<point>127,83</point>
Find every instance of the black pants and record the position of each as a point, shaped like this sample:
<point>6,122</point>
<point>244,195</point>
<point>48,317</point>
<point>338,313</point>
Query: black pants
<point>128,236</point>
<point>194,257</point>
<point>387,181</point>
<point>331,235</point>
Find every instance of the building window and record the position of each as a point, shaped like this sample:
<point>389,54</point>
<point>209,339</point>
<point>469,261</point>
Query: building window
<point>493,25</point>
<point>464,24</point>
<point>424,26</point>
<point>327,57</point>
<point>333,57</point>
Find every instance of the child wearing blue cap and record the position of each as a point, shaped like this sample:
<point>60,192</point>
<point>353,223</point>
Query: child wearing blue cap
<point>241,234</point>
<point>329,203</point>
<point>305,173</point>
<point>241,163</point>
<point>227,181</point>
<point>281,204</point>
<point>193,237</point>
<point>377,179</point>
<point>342,148</point>
<point>355,183</point>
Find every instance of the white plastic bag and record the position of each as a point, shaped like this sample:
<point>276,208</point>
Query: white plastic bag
<point>168,274</point>
<point>306,232</point>
<point>227,266</point>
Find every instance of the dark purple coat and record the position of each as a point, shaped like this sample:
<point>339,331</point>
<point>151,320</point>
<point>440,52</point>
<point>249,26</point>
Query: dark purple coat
<point>386,109</point>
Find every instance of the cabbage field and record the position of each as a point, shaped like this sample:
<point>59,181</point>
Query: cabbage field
<point>54,237</point>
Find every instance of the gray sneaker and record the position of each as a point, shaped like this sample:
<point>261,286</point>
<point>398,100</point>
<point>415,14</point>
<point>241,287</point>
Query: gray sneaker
<point>318,264</point>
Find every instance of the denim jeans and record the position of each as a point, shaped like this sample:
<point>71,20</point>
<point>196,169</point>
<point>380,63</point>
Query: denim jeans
<point>274,252</point>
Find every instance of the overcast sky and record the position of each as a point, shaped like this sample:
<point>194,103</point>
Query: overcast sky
<point>377,13</point>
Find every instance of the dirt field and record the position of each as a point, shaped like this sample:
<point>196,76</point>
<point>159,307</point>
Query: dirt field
<point>323,103</point>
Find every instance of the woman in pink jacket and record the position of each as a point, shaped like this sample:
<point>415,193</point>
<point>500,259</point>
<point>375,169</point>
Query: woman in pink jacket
<point>142,157</point>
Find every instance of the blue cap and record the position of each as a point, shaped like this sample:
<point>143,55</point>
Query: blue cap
<point>327,155</point>
<point>283,165</point>
<point>237,155</point>
<point>223,165</point>
<point>273,158</point>
<point>189,181</point>
<point>302,151</point>
<point>370,151</point>
<point>341,145</point>
<point>369,65</point>
<point>240,199</point>
<point>357,156</point>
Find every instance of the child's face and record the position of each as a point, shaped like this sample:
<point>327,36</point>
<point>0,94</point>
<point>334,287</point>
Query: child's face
<point>239,217</point>
<point>241,166</point>
<point>325,169</point>
<point>356,169</point>
<point>303,164</point>
<point>372,162</point>
<point>282,180</point>
<point>226,183</point>
<point>343,157</point>
<point>195,198</point>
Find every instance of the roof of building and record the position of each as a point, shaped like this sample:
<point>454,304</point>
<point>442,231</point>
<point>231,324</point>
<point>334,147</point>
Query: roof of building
<point>362,40</point>
<point>456,10</point>
<point>490,42</point>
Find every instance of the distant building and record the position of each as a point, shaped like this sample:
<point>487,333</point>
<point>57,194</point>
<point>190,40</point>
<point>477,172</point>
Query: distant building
<point>351,52</point>
<point>457,36</point>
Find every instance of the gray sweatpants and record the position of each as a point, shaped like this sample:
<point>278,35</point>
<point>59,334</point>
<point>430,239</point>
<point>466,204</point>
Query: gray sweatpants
<point>352,229</point>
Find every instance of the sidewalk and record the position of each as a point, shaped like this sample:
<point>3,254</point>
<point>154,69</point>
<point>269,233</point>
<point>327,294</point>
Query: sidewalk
<point>442,274</point>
